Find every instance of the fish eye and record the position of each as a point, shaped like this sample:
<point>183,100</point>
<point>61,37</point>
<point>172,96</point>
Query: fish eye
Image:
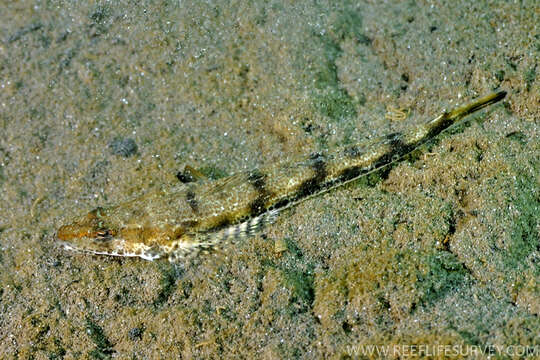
<point>103,234</point>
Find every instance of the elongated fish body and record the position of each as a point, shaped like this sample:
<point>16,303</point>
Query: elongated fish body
<point>179,222</point>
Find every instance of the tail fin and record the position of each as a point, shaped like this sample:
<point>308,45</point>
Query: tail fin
<point>459,113</point>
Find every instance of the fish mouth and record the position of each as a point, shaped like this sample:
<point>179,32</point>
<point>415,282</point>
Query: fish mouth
<point>89,245</point>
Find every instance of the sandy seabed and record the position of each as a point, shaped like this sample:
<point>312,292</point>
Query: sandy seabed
<point>435,258</point>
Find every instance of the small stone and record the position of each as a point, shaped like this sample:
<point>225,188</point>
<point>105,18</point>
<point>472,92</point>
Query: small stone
<point>135,334</point>
<point>124,147</point>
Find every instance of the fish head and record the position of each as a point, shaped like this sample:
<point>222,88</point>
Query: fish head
<point>96,233</point>
<point>91,233</point>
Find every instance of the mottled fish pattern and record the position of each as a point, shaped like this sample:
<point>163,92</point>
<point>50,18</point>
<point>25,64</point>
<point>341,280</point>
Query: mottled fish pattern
<point>178,223</point>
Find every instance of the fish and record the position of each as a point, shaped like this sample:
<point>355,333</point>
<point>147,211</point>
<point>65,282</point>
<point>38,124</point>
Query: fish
<point>179,222</point>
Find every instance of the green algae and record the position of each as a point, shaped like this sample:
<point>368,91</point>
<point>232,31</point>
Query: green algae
<point>499,74</point>
<point>58,352</point>
<point>524,232</point>
<point>445,273</point>
<point>169,277</point>
<point>104,348</point>
<point>529,76</point>
<point>302,287</point>
<point>330,98</point>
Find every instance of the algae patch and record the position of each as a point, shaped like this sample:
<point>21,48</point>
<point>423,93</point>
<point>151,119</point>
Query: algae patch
<point>524,235</point>
<point>330,98</point>
<point>445,273</point>
<point>104,348</point>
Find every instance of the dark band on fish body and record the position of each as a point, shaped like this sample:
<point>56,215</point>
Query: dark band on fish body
<point>398,148</point>
<point>441,126</point>
<point>284,202</point>
<point>309,187</point>
<point>258,206</point>
<point>223,223</point>
<point>193,203</point>
<point>315,183</point>
<point>394,139</point>
<point>258,180</point>
<point>354,151</point>
<point>350,173</point>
